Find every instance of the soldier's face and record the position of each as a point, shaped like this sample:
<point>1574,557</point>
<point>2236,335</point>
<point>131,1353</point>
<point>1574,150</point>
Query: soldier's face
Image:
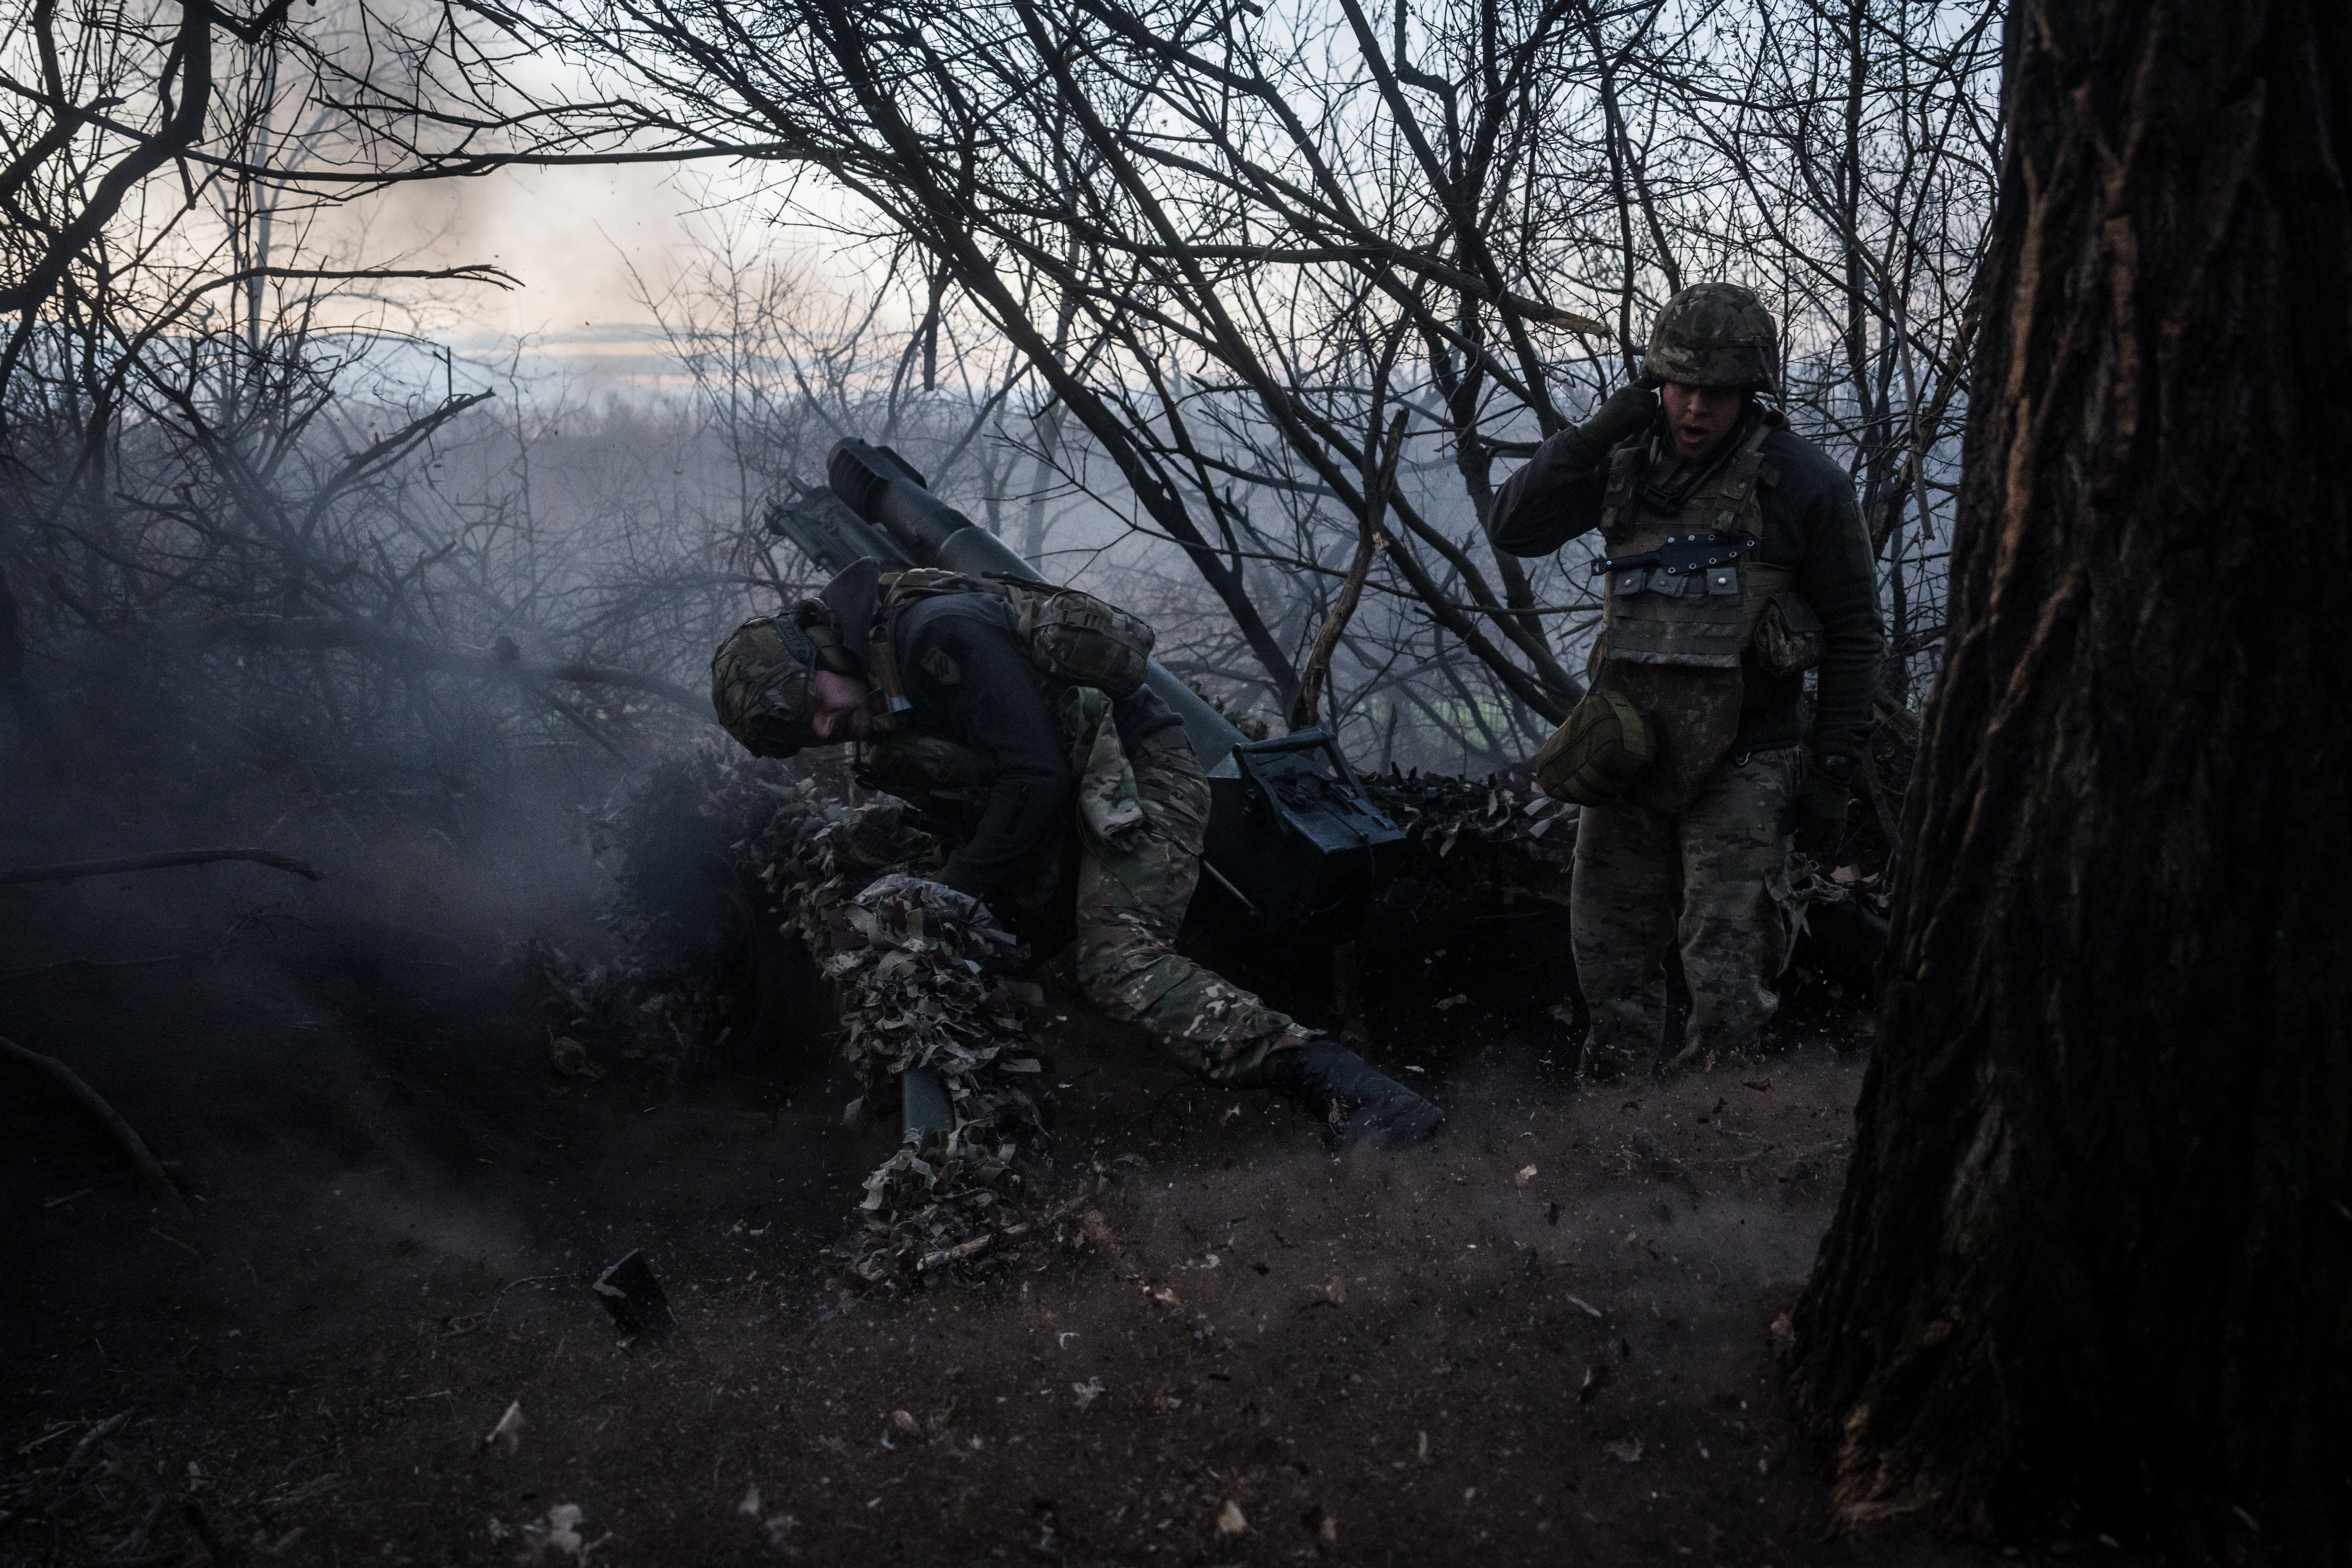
<point>1701,416</point>
<point>842,712</point>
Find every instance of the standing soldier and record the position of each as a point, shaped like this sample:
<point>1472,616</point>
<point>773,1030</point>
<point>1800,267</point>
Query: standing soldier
<point>937,673</point>
<point>1737,560</point>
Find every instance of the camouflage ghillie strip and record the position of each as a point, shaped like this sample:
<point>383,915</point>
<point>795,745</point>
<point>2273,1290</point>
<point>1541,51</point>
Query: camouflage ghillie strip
<point>1438,809</point>
<point>924,982</point>
<point>924,1204</point>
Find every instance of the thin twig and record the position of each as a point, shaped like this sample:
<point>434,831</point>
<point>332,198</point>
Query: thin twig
<point>62,1487</point>
<point>990,1239</point>
<point>77,870</point>
<point>1369,540</point>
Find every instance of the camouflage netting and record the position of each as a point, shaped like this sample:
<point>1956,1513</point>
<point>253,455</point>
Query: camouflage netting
<point>923,982</point>
<point>1436,810</point>
<point>1475,847</point>
<point>665,1000</point>
<point>640,1011</point>
<point>1518,843</point>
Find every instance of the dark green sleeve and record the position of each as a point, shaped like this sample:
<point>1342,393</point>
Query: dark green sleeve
<point>1551,500</point>
<point>1838,576</point>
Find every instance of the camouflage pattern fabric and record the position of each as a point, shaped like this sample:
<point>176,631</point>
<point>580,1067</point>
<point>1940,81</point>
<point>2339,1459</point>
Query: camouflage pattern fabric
<point>759,685</point>
<point>1132,889</point>
<point>1108,804</point>
<point>1712,334</point>
<point>1726,853</point>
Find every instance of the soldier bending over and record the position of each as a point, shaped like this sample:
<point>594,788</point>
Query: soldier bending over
<point>944,682</point>
<point>1737,560</point>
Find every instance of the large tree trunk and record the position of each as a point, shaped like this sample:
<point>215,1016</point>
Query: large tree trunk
<point>2093,1269</point>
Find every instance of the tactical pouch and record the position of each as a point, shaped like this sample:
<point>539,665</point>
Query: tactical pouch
<point>1789,637</point>
<point>1598,753</point>
<point>1076,637</point>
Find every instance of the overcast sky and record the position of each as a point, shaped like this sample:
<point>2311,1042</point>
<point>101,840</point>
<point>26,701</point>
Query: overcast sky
<point>571,237</point>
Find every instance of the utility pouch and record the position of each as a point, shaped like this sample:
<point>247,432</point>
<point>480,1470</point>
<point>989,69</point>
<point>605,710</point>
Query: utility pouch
<point>1789,638</point>
<point>1076,637</point>
<point>1598,753</point>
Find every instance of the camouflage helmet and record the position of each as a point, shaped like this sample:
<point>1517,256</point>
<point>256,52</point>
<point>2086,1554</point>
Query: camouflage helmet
<point>761,675</point>
<point>1713,334</point>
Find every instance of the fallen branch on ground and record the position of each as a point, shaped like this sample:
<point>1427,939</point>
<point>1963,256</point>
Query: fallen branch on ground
<point>125,1137</point>
<point>988,1239</point>
<point>66,1480</point>
<point>80,868</point>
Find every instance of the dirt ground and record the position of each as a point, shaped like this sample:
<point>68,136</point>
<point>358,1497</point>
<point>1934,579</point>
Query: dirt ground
<point>1544,1338</point>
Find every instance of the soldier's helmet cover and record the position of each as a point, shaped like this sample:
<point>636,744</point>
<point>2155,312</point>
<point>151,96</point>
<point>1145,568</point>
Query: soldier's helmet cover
<point>762,676</point>
<point>1713,334</point>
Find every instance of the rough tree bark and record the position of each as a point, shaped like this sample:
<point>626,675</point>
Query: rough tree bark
<point>2093,1268</point>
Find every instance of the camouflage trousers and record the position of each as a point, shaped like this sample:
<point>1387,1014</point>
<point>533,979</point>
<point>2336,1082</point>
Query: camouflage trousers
<point>1131,897</point>
<point>1713,880</point>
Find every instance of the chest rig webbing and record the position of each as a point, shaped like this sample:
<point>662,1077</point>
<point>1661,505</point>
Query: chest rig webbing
<point>1684,588</point>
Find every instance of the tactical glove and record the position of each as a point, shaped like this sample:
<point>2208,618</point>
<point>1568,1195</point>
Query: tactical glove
<point>1629,410</point>
<point>1821,802</point>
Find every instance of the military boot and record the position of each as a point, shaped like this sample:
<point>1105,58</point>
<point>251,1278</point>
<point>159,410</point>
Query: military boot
<point>1622,1038</point>
<point>1702,1049</point>
<point>1612,1051</point>
<point>1353,1100</point>
<point>1603,1063</point>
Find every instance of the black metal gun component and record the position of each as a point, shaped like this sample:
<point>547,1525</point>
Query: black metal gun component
<point>827,532</point>
<point>1684,553</point>
<point>1291,832</point>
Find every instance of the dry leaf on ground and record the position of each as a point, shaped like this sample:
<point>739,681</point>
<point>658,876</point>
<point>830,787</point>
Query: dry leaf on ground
<point>507,1436</point>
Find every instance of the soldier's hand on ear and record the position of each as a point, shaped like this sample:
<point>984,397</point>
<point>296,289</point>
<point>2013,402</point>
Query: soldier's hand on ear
<point>1628,410</point>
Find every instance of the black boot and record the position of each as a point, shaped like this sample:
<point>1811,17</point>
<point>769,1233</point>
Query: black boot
<point>1353,1100</point>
